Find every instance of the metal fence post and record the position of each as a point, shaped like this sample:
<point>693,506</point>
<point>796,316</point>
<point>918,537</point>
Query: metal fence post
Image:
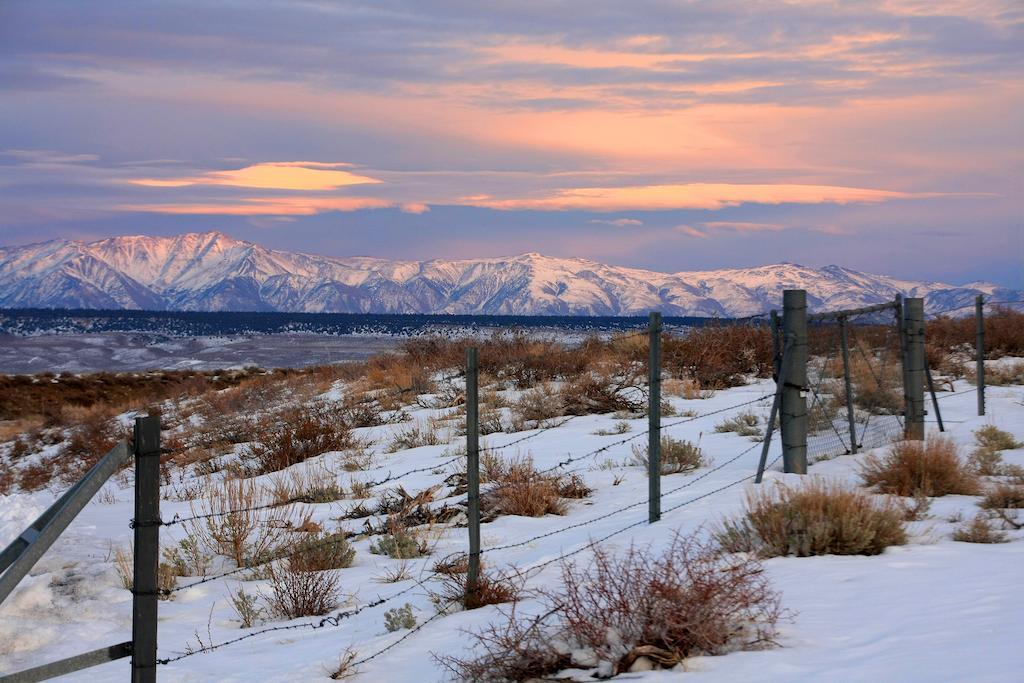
<point>472,474</point>
<point>654,419</point>
<point>979,349</point>
<point>147,548</point>
<point>844,338</point>
<point>913,328</point>
<point>794,394</point>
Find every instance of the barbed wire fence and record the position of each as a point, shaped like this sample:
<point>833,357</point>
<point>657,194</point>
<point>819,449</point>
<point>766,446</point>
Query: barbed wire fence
<point>854,366</point>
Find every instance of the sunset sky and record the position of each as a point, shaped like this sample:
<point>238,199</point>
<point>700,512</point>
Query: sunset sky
<point>886,136</point>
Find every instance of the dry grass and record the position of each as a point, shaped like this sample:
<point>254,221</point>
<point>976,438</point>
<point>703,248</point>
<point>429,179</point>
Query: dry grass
<point>677,456</point>
<point>315,484</point>
<point>991,437</point>
<point>744,424</point>
<point>492,588</point>
<point>1004,496</point>
<point>1006,374</point>
<point>931,468</point>
<point>979,530</point>
<point>719,356</point>
<point>235,530</point>
<point>663,607</point>
<point>421,433</point>
<point>124,564</point>
<point>818,518</point>
<point>520,490</point>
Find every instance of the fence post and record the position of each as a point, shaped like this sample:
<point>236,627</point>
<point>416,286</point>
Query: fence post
<point>472,474</point>
<point>913,328</point>
<point>844,339</point>
<point>793,422</point>
<point>979,349</point>
<point>654,419</point>
<point>147,548</point>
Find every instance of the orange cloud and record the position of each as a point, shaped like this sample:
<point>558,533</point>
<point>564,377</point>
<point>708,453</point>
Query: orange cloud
<point>693,196</point>
<point>280,175</point>
<point>265,206</point>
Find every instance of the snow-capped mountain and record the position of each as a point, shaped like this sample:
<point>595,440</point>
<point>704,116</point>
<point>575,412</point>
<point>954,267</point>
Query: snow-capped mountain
<point>212,272</point>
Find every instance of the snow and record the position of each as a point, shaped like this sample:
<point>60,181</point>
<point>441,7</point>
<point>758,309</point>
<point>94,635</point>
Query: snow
<point>934,610</point>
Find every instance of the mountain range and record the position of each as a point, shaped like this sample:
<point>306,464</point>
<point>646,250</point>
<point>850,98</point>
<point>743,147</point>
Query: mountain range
<point>214,272</point>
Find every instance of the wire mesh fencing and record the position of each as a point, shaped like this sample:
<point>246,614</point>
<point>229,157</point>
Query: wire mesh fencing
<point>855,383</point>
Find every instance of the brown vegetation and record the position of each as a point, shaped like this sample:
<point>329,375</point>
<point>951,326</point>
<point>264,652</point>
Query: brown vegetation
<point>929,468</point>
<point>520,490</point>
<point>660,608</point>
<point>818,518</point>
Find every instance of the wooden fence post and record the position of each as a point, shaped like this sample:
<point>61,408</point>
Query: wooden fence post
<point>654,419</point>
<point>913,328</point>
<point>472,475</point>
<point>145,585</point>
<point>979,349</point>
<point>793,422</point>
<point>844,337</point>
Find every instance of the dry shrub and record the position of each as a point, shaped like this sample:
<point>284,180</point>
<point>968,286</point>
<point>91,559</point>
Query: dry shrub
<point>492,588</point>
<point>930,468</point>
<point>236,530</point>
<point>1004,497</point>
<point>877,385</point>
<point>688,388</point>
<point>322,551</point>
<point>719,356</point>
<point>663,607</point>
<point>991,437</point>
<point>677,456</point>
<point>297,435</point>
<point>600,392</point>
<point>93,436</point>
<point>987,462</point>
<point>521,490</point>
<point>979,530</point>
<point>537,406</point>
<point>818,518</point>
<point>399,374</point>
<point>1006,374</point>
<point>296,592</point>
<point>1004,332</point>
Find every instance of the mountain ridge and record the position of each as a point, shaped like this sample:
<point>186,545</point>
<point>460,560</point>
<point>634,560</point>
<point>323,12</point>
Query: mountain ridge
<point>212,271</point>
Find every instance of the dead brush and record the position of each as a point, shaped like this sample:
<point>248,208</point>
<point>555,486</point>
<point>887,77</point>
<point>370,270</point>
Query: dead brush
<point>1003,496</point>
<point>979,530</point>
<point>992,438</point>
<point>661,607</point>
<point>315,484</point>
<point>235,529</point>
<point>677,456</point>
<point>95,433</point>
<point>818,518</point>
<point>520,490</point>
<point>931,468</point>
<point>295,436</point>
<point>124,564</point>
<point>296,592</point>
<point>491,588</point>
<point>537,407</point>
<point>601,391</point>
<point>1005,374</point>
<point>743,424</point>
<point>422,433</point>
<point>719,356</point>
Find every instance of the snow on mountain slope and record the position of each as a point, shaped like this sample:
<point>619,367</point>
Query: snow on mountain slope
<point>212,271</point>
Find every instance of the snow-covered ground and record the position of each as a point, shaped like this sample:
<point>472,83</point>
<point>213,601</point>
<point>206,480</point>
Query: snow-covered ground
<point>933,610</point>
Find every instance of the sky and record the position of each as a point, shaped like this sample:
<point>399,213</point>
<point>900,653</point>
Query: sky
<point>882,135</point>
